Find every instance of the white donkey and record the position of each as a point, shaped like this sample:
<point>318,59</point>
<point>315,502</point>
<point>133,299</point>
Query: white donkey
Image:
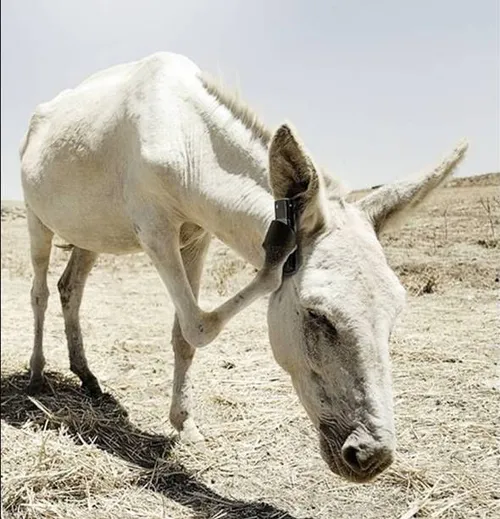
<point>153,156</point>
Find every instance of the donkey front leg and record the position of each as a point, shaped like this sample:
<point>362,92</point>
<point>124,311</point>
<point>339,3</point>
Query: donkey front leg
<point>163,246</point>
<point>200,328</point>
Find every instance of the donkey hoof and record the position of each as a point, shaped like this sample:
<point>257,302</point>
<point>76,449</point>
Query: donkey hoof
<point>190,433</point>
<point>92,387</point>
<point>35,385</point>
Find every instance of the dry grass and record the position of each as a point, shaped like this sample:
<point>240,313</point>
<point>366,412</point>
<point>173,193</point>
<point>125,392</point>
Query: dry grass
<point>65,456</point>
<point>79,477</point>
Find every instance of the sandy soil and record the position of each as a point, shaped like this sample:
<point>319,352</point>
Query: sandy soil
<point>63,456</point>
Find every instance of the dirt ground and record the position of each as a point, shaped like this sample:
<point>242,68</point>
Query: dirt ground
<point>66,457</point>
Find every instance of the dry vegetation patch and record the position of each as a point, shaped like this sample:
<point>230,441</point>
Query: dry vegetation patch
<point>65,456</point>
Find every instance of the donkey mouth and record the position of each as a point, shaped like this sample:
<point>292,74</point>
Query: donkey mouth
<point>337,464</point>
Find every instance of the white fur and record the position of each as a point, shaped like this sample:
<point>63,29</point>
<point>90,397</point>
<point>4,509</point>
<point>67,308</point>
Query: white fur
<point>145,156</point>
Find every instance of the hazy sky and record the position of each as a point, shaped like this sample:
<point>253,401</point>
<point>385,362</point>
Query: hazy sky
<point>378,90</point>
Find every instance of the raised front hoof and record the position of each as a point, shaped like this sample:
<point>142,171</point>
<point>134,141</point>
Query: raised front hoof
<point>92,387</point>
<point>36,385</point>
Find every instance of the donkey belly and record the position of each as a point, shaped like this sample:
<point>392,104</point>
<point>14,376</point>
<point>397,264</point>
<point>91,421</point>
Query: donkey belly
<point>83,206</point>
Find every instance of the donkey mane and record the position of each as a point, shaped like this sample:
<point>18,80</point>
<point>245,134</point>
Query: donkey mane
<point>243,113</point>
<point>238,108</point>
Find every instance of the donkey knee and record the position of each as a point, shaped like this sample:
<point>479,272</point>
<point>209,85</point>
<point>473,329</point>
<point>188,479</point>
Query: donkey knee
<point>202,330</point>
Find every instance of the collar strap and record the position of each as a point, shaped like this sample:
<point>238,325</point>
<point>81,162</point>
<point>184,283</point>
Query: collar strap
<point>286,211</point>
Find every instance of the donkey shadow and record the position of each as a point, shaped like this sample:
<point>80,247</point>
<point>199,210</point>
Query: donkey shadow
<point>104,422</point>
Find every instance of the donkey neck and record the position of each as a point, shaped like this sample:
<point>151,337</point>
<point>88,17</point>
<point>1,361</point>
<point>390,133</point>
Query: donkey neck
<point>238,199</point>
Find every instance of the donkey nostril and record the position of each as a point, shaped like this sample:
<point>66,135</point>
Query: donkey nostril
<point>364,459</point>
<point>350,455</point>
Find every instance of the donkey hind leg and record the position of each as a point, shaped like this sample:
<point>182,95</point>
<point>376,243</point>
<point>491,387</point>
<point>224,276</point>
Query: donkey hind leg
<point>193,255</point>
<point>71,286</point>
<point>40,245</point>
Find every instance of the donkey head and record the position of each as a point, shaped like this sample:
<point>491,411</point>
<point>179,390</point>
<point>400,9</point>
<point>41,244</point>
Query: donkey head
<point>330,323</point>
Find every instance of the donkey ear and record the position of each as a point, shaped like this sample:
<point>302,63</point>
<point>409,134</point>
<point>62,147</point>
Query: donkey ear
<point>292,173</point>
<point>390,205</point>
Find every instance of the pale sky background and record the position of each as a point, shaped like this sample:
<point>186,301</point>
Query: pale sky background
<point>378,90</point>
